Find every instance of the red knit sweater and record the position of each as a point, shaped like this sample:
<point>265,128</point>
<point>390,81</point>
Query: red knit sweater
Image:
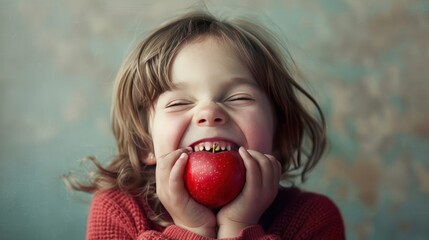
<point>293,215</point>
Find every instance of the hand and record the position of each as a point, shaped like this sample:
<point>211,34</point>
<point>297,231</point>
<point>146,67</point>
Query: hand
<point>171,191</point>
<point>262,181</point>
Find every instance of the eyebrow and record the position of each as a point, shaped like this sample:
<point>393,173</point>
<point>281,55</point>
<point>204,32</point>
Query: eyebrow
<point>234,81</point>
<point>243,80</point>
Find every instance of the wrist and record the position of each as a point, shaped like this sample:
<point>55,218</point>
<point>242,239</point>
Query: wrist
<point>209,232</point>
<point>231,230</point>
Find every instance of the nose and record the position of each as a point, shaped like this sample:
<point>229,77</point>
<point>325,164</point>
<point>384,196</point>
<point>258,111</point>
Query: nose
<point>211,114</point>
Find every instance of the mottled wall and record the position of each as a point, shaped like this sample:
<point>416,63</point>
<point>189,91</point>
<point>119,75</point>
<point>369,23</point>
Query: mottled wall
<point>365,61</point>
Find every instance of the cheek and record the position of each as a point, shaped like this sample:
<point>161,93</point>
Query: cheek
<point>166,134</point>
<point>260,137</point>
<point>259,131</point>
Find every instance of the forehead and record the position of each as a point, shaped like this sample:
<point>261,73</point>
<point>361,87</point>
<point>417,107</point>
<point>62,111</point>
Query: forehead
<point>212,47</point>
<point>208,57</point>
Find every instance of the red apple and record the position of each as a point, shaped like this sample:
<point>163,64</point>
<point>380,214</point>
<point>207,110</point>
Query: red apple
<point>215,179</point>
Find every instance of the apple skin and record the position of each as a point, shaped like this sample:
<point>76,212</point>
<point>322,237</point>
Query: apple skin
<point>214,179</point>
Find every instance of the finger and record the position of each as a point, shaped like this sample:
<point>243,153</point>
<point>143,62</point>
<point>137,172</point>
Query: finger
<point>253,172</point>
<point>276,165</point>
<point>266,167</point>
<point>164,166</point>
<point>176,182</point>
<point>277,168</point>
<point>166,162</point>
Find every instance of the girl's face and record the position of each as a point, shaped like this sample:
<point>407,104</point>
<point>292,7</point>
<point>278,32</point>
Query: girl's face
<point>215,100</point>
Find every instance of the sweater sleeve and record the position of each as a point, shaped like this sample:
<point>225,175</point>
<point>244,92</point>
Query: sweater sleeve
<point>256,232</point>
<point>316,218</point>
<point>325,222</point>
<point>109,220</point>
<point>114,215</point>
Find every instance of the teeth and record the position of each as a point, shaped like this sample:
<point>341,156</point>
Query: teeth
<point>208,146</point>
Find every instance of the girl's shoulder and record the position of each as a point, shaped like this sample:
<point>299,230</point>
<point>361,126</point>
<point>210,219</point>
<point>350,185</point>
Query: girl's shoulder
<point>295,199</point>
<point>294,207</point>
<point>300,199</point>
<point>116,206</point>
<point>115,198</point>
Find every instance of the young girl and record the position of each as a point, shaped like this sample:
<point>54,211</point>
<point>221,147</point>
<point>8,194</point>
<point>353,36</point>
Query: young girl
<point>193,82</point>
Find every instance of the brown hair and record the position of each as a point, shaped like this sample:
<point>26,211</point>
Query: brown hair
<point>300,137</point>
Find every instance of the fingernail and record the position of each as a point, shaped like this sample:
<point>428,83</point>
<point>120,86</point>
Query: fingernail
<point>242,149</point>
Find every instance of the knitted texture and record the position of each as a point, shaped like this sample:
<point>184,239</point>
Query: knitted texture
<point>293,215</point>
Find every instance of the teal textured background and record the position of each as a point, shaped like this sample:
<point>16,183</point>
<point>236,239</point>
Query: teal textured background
<point>365,61</point>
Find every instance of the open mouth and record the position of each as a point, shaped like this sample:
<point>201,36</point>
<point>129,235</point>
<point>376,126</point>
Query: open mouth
<point>214,146</point>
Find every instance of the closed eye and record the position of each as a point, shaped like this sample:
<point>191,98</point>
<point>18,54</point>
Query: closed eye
<point>178,103</point>
<point>240,98</point>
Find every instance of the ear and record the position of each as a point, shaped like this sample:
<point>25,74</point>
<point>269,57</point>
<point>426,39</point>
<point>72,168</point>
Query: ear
<point>148,159</point>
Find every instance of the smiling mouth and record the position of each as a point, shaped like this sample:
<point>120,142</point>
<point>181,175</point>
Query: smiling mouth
<point>215,147</point>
